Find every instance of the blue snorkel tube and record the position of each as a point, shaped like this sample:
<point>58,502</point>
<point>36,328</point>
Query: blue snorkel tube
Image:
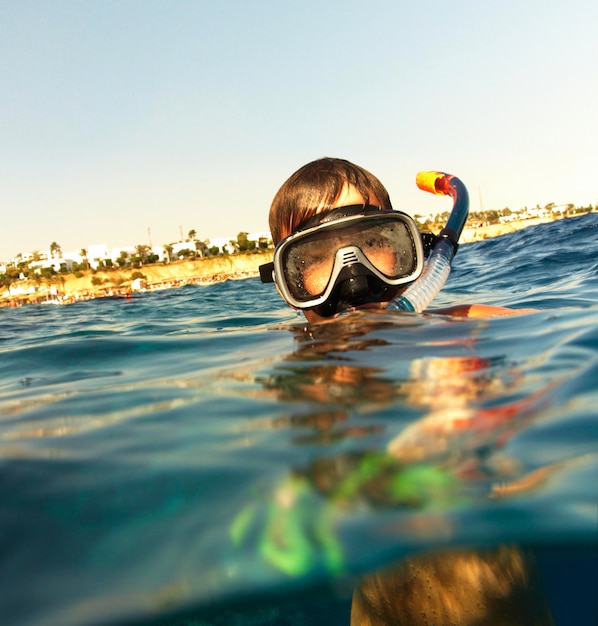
<point>418,296</point>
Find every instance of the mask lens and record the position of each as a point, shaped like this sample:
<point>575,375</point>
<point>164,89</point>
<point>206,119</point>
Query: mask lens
<point>308,266</point>
<point>389,248</point>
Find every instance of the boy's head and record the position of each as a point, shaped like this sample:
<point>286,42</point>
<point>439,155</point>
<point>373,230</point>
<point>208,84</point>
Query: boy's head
<point>339,244</point>
<point>320,185</point>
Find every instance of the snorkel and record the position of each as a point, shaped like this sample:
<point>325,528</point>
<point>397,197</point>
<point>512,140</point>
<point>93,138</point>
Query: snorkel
<point>418,296</point>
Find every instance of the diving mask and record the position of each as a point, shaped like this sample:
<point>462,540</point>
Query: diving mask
<point>346,257</point>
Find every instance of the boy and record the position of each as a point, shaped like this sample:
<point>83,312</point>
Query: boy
<point>332,205</point>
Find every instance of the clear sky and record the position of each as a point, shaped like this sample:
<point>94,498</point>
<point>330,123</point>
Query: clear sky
<point>120,116</point>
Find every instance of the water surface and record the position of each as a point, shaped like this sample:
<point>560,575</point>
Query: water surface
<point>168,458</point>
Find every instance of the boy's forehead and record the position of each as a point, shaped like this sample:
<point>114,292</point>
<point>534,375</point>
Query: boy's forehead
<point>350,195</point>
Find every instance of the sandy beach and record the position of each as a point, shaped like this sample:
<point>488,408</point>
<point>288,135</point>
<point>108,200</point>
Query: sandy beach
<point>124,283</point>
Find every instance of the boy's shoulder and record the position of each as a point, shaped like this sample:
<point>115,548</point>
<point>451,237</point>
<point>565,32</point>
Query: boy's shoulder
<point>479,310</point>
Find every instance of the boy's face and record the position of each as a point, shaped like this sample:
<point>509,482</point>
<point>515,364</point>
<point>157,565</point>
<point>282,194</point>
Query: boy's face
<point>322,255</point>
<point>318,274</point>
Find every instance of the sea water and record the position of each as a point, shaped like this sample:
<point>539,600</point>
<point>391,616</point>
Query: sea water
<point>202,456</point>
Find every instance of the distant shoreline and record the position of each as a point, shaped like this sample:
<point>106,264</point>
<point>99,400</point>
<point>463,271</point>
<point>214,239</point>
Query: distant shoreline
<point>479,233</point>
<point>119,283</point>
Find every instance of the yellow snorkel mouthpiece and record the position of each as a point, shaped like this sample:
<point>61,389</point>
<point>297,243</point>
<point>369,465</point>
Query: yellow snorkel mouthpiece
<point>426,181</point>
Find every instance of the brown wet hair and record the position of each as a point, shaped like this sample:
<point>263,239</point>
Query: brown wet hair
<point>315,188</point>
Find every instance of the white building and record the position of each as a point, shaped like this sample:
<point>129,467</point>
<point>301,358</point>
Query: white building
<point>179,246</point>
<point>228,245</point>
<point>259,238</point>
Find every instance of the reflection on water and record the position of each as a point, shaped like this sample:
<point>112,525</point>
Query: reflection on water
<point>451,414</point>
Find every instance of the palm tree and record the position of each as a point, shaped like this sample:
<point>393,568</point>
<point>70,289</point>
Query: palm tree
<point>192,234</point>
<point>142,250</point>
<point>55,249</point>
<point>83,255</point>
<point>201,249</point>
<point>123,258</point>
